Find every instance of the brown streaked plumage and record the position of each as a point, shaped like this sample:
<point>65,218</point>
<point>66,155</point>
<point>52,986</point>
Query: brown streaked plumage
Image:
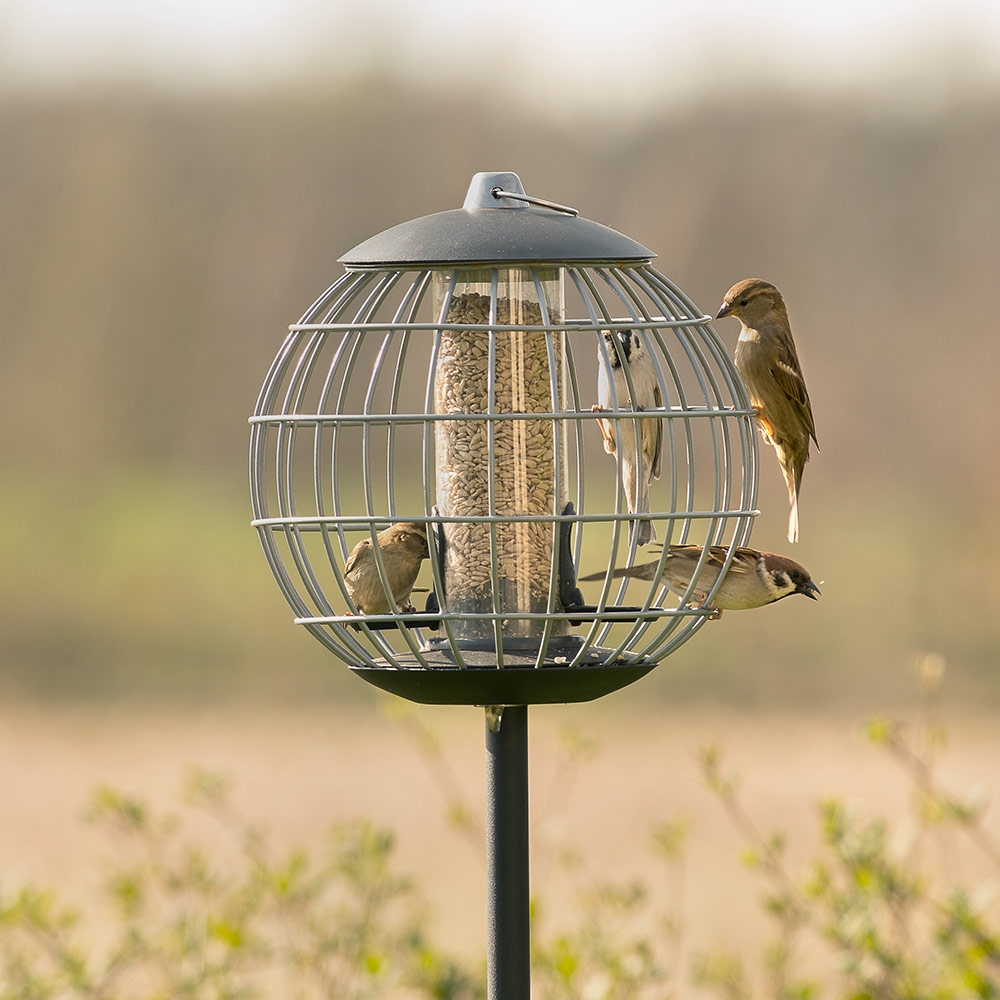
<point>403,547</point>
<point>767,360</point>
<point>753,580</point>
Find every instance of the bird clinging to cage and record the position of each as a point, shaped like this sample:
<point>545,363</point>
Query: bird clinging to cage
<point>767,360</point>
<point>753,580</point>
<point>403,547</point>
<point>639,465</point>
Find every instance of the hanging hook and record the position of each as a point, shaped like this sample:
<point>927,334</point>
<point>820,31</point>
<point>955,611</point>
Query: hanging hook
<point>499,192</point>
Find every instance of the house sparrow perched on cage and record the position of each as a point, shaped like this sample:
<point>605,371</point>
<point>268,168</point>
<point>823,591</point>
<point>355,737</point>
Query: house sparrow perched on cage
<point>403,547</point>
<point>767,360</point>
<point>752,580</point>
<point>638,467</point>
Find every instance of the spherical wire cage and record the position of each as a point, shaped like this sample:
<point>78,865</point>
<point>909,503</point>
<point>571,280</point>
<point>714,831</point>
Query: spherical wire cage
<point>446,384</point>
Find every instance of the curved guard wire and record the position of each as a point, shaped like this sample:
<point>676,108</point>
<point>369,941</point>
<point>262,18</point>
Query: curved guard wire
<point>462,400</point>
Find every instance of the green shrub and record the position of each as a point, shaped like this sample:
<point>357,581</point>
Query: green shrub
<point>230,920</point>
<point>231,923</point>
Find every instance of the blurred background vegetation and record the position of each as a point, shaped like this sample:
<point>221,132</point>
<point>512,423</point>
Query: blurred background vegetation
<point>155,243</point>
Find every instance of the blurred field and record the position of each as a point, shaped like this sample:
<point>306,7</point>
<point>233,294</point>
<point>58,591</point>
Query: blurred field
<point>297,771</point>
<point>155,249</point>
<point>150,588</point>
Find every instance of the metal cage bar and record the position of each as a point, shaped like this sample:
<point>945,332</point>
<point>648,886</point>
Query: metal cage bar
<point>352,387</point>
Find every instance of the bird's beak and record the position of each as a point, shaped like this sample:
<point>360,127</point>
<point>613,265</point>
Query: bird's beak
<point>809,589</point>
<point>725,310</point>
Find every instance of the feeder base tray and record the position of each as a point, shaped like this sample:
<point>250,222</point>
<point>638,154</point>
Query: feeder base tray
<point>482,683</point>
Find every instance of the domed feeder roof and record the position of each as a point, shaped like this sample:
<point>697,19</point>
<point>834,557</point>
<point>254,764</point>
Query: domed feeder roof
<point>498,223</point>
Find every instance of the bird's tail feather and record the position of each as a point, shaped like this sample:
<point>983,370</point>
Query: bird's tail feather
<point>644,531</point>
<point>793,516</point>
<point>792,473</point>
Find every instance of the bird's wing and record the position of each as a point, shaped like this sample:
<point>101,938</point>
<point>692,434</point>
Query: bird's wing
<point>352,559</point>
<point>788,376</point>
<point>684,561</point>
<point>687,551</point>
<point>744,560</point>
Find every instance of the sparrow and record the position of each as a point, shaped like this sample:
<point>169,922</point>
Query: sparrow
<point>769,364</point>
<point>752,580</point>
<point>639,467</point>
<point>403,547</point>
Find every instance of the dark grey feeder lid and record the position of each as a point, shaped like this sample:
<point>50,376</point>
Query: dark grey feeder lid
<point>490,229</point>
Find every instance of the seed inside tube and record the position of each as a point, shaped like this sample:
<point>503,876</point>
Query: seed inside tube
<point>521,482</point>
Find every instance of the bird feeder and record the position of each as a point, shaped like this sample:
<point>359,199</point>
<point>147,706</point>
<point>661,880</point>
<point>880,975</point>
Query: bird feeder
<point>448,378</point>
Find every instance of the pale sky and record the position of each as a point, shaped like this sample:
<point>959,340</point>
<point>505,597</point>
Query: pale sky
<point>593,53</point>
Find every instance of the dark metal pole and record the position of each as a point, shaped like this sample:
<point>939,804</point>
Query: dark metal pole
<point>508,959</point>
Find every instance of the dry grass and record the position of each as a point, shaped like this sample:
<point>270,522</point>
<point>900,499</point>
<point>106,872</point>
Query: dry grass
<point>299,771</point>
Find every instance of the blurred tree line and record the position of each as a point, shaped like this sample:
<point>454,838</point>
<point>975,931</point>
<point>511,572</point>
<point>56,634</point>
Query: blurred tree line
<point>155,248</point>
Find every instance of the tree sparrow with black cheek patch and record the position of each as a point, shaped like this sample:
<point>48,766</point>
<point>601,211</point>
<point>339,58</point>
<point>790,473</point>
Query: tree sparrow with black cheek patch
<point>753,580</point>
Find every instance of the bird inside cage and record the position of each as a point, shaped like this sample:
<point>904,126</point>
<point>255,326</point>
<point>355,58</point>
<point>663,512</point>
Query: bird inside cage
<point>403,547</point>
<point>627,378</point>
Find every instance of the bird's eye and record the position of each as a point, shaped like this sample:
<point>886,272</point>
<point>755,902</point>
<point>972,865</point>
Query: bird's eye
<point>744,302</point>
